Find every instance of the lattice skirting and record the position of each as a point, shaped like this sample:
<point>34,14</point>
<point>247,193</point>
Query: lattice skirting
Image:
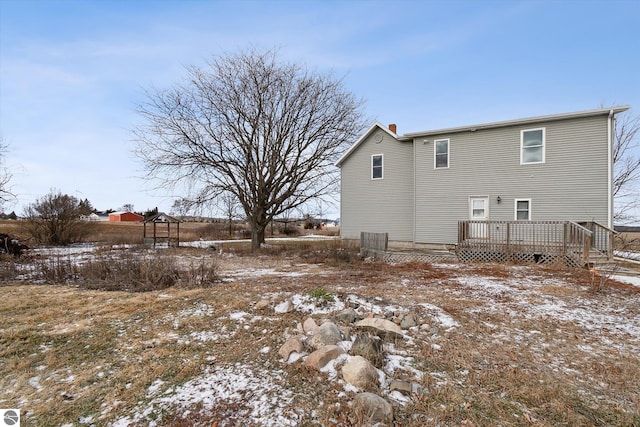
<point>467,255</point>
<point>392,257</point>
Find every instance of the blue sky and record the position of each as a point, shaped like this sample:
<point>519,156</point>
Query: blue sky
<point>72,72</point>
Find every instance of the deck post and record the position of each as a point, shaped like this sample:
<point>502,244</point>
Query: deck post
<point>564,240</point>
<point>586,249</point>
<point>509,257</point>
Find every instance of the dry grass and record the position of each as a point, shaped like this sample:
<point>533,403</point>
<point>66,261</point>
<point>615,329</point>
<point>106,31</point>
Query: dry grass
<point>70,354</point>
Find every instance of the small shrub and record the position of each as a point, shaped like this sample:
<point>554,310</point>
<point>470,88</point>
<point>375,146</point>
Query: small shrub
<point>55,269</point>
<point>600,279</point>
<point>321,295</point>
<point>200,274</point>
<point>9,268</point>
<point>130,274</point>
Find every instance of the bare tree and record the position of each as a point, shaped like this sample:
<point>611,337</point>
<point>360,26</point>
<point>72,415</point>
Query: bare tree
<point>229,205</point>
<point>181,207</point>
<point>6,194</point>
<point>127,207</point>
<point>54,219</point>
<point>626,160</point>
<point>265,131</point>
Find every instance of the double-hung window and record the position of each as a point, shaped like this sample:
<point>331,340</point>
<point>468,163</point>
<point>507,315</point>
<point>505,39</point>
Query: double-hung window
<point>523,209</point>
<point>532,146</point>
<point>441,153</point>
<point>376,166</point>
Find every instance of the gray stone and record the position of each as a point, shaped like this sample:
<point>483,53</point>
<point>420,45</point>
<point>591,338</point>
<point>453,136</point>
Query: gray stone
<point>330,333</point>
<point>347,316</point>
<point>346,333</point>
<point>370,409</point>
<point>319,358</point>
<point>293,344</point>
<point>369,347</point>
<point>310,326</point>
<point>261,305</point>
<point>359,372</point>
<point>379,326</point>
<point>408,321</point>
<point>403,387</point>
<point>315,342</point>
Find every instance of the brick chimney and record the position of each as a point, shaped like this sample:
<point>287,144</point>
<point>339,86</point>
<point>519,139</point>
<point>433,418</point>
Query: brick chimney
<point>392,127</point>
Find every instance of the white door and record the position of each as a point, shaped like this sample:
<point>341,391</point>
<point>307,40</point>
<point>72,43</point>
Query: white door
<point>478,211</point>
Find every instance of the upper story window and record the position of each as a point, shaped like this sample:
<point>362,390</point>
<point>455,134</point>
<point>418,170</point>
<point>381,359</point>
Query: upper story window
<point>376,166</point>
<point>532,146</point>
<point>441,153</point>
<point>523,209</point>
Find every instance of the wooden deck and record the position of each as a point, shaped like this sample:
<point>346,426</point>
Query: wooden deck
<point>566,242</point>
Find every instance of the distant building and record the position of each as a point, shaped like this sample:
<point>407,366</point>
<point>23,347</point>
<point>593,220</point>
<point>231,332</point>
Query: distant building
<point>91,217</point>
<point>125,217</point>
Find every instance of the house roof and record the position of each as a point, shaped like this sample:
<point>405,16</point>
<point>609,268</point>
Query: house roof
<point>123,212</point>
<point>515,122</point>
<point>372,128</point>
<point>162,217</point>
<point>472,128</point>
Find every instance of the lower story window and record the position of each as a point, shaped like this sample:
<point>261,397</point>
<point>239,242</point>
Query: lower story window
<point>523,209</point>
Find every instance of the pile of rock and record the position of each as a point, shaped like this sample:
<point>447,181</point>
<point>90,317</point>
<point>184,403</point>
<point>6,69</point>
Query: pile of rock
<point>11,245</point>
<point>353,342</point>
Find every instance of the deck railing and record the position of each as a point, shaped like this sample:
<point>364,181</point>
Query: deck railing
<point>524,240</point>
<point>602,239</point>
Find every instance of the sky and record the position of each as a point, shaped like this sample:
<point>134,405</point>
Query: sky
<point>72,72</point>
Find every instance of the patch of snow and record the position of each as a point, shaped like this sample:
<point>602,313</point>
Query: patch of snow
<point>294,357</point>
<point>254,394</point>
<point>306,304</point>
<point>155,386</point>
<point>632,280</point>
<point>628,255</point>
<point>238,315</point>
<point>85,420</point>
<point>35,383</point>
<point>440,316</point>
<point>284,307</point>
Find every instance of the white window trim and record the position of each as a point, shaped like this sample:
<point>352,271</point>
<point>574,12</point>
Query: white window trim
<point>515,209</point>
<point>435,144</point>
<point>382,167</point>
<point>487,205</point>
<point>544,145</point>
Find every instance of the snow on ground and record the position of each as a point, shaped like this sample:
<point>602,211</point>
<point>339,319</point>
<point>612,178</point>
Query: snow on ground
<point>215,243</point>
<point>632,280</point>
<point>251,394</point>
<point>628,255</point>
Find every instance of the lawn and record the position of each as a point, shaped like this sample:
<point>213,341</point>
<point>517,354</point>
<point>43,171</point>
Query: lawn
<point>493,344</point>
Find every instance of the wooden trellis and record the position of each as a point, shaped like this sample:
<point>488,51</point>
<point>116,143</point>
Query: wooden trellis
<point>163,234</point>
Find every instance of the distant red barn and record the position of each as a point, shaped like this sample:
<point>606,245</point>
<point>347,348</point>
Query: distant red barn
<point>125,217</point>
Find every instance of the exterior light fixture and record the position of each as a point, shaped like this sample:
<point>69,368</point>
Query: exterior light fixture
<point>499,199</point>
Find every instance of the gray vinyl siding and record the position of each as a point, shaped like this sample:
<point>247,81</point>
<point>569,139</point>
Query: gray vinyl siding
<point>384,205</point>
<point>572,184</point>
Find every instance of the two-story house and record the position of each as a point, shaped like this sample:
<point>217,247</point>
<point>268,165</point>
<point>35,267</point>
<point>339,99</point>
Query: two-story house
<point>417,187</point>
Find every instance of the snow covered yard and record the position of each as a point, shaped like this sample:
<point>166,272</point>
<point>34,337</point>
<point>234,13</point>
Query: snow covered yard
<point>491,345</point>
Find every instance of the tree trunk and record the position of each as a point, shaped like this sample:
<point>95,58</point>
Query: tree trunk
<point>257,236</point>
